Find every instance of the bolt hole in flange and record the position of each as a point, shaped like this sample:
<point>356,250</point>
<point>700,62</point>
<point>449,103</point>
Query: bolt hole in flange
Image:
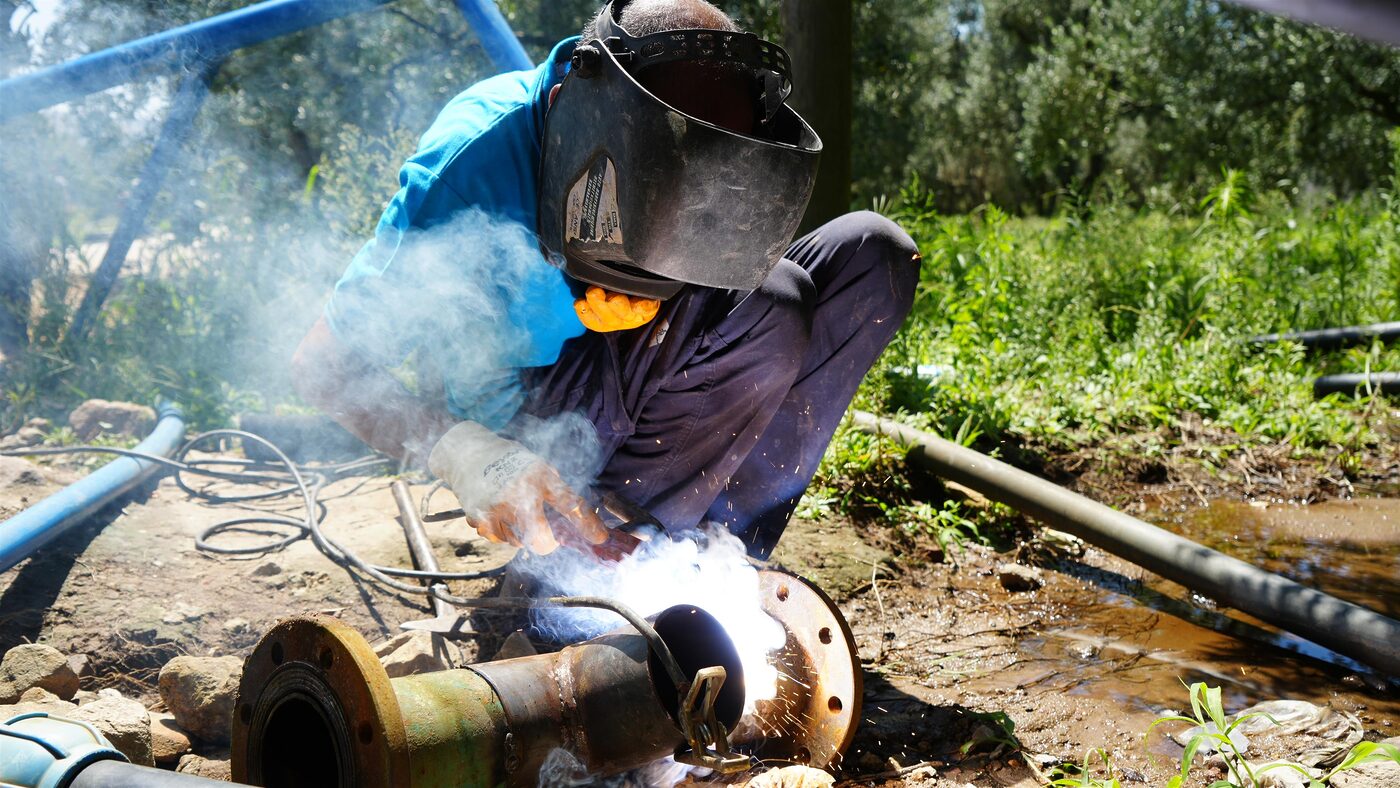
<point>365,733</point>
<point>277,655</point>
<point>834,703</point>
<point>782,593</point>
<point>326,658</point>
<point>824,636</point>
<point>245,713</point>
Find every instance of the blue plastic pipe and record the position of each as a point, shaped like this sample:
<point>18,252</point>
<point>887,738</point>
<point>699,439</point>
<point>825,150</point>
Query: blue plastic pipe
<point>495,34</point>
<point>182,48</point>
<point>46,520</point>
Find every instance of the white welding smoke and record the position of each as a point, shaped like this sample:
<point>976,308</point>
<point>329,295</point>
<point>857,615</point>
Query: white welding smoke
<point>708,569</point>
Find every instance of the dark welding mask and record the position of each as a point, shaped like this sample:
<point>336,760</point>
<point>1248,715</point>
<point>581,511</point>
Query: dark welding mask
<point>638,197</point>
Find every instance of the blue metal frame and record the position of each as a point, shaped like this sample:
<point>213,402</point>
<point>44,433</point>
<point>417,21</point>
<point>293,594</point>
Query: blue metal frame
<point>198,49</point>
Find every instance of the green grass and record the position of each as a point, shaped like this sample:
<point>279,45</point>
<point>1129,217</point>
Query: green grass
<point>1115,327</point>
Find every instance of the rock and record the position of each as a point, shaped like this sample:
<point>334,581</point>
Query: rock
<point>124,722</point>
<point>182,612</point>
<point>1378,774</point>
<point>168,739</point>
<point>35,665</point>
<point>80,664</point>
<point>209,768</point>
<point>39,423</point>
<point>18,472</point>
<point>23,438</point>
<point>199,692</point>
<point>1015,577</point>
<point>236,626</point>
<point>410,653</point>
<point>266,569</point>
<point>110,692</point>
<point>52,705</point>
<point>796,776</point>
<point>84,696</point>
<point>517,644</point>
<point>98,417</point>
<point>38,695</point>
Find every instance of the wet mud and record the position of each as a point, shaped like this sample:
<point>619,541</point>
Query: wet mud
<point>966,682</point>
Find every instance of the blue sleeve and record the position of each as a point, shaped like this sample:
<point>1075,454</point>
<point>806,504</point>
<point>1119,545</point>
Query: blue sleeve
<point>454,270</point>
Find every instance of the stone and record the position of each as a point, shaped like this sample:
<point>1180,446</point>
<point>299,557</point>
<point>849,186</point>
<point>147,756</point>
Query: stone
<point>267,569</point>
<point>22,438</point>
<point>81,665</point>
<point>19,472</point>
<point>1017,578</point>
<point>124,722</point>
<point>110,692</point>
<point>38,695</point>
<point>35,665</point>
<point>199,692</point>
<point>39,423</point>
<point>208,768</point>
<point>410,653</point>
<point>52,705</point>
<point>236,626</point>
<point>168,739</point>
<point>84,696</point>
<point>100,417</point>
<point>796,776</point>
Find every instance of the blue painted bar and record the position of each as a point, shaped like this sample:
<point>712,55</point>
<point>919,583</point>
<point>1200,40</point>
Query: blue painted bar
<point>499,41</point>
<point>178,125</point>
<point>177,49</point>
<point>48,519</point>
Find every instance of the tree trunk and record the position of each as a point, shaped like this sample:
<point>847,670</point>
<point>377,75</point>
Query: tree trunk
<point>817,34</point>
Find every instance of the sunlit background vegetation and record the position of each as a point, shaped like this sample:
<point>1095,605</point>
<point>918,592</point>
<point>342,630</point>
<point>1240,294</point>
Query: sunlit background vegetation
<point>1110,197</point>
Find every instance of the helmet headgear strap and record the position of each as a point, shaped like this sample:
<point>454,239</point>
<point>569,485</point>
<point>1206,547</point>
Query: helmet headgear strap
<point>767,62</point>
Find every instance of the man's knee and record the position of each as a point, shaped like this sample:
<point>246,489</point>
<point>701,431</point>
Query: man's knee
<point>875,255</point>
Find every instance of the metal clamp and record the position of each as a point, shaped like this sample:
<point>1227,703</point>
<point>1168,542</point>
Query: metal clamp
<point>706,735</point>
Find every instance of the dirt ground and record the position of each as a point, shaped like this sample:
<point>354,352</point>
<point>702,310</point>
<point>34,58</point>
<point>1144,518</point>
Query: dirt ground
<point>966,683</point>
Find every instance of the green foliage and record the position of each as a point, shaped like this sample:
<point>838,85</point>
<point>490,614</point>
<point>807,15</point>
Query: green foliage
<point>1215,728</point>
<point>1028,103</point>
<point>1112,321</point>
<point>1085,775</point>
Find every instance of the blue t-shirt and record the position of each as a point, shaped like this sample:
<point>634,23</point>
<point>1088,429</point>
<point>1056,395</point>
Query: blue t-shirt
<point>454,270</point>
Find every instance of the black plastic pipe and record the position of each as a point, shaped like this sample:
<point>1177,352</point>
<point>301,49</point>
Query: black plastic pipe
<point>1333,338</point>
<point>119,774</point>
<point>1346,628</point>
<point>1357,383</point>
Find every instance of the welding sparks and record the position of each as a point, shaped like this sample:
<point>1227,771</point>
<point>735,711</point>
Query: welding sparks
<point>710,571</point>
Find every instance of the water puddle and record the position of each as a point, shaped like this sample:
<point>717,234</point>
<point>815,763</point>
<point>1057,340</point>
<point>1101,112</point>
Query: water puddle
<point>1133,639</point>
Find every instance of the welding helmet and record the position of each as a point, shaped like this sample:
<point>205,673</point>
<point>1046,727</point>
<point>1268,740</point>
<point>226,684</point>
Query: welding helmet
<point>641,198</point>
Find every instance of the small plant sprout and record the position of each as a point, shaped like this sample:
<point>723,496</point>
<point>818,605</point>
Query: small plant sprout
<point>1217,731</point>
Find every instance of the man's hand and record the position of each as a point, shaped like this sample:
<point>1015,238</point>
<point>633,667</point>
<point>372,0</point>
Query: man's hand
<point>601,310</point>
<point>504,489</point>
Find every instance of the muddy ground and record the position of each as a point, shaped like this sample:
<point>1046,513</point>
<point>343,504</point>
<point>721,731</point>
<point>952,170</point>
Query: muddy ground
<point>966,682</point>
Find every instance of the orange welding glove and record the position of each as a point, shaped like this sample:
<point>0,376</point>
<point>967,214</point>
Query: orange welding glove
<point>601,310</point>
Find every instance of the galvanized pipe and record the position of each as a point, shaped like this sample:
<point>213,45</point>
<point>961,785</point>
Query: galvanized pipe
<point>315,707</point>
<point>1346,628</point>
<point>48,519</point>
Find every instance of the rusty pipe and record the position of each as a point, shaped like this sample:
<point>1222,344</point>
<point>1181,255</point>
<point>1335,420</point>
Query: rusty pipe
<point>316,708</point>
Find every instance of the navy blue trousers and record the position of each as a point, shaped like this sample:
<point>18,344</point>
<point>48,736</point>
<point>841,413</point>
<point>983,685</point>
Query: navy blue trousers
<point>720,409</point>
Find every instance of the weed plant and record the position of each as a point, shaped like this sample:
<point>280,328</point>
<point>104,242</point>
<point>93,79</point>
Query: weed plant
<point>1216,729</point>
<point>1107,326</point>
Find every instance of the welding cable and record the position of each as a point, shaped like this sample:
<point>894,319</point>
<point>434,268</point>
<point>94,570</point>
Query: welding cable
<point>297,482</point>
<point>307,485</point>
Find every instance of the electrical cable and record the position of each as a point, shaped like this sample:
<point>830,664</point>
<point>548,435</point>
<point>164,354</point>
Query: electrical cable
<point>308,482</point>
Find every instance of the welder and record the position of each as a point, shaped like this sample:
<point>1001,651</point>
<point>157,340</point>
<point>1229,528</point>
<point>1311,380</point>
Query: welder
<point>609,235</point>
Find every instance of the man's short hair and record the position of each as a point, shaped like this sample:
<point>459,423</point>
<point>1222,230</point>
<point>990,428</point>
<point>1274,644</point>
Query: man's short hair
<point>644,17</point>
